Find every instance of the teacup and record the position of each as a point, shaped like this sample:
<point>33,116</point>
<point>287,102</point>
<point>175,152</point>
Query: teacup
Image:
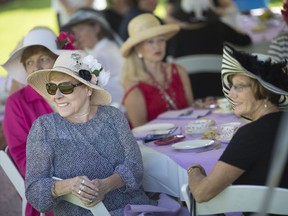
<point>224,105</point>
<point>198,126</point>
<point>228,130</point>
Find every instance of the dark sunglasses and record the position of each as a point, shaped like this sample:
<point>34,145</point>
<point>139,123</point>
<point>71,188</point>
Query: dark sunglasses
<point>65,87</point>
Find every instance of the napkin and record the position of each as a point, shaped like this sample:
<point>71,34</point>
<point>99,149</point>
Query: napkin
<point>150,137</point>
<point>166,206</point>
<point>188,113</point>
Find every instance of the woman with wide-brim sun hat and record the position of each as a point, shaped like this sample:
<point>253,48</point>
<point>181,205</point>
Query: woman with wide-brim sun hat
<point>86,143</point>
<point>257,86</point>
<point>38,51</point>
<point>151,85</point>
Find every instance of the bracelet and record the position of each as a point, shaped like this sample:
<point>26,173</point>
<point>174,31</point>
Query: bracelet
<point>54,194</point>
<point>190,169</point>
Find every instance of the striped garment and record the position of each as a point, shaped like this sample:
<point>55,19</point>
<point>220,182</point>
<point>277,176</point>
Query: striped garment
<point>278,48</point>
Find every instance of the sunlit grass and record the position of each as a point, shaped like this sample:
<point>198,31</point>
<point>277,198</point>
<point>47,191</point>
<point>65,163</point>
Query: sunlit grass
<point>17,18</point>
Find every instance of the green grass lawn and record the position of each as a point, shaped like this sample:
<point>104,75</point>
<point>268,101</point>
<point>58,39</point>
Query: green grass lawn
<point>17,18</point>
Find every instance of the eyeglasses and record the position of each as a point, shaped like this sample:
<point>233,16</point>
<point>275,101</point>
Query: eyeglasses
<point>65,87</point>
<point>239,88</point>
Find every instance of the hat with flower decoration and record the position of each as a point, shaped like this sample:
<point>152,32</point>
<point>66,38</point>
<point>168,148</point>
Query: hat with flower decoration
<point>272,75</point>
<point>84,68</point>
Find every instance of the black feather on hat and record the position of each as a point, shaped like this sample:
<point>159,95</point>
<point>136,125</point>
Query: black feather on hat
<point>272,75</point>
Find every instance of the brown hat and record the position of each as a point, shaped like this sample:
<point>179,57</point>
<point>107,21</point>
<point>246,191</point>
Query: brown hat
<point>144,27</point>
<point>82,68</point>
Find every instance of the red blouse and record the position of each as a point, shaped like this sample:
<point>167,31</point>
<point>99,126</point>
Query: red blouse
<point>155,103</point>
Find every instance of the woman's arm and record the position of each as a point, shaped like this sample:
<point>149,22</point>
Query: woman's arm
<point>205,187</point>
<point>135,105</point>
<point>16,132</point>
<point>131,169</point>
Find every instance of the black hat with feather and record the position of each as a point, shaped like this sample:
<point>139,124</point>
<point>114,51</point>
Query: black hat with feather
<point>271,75</point>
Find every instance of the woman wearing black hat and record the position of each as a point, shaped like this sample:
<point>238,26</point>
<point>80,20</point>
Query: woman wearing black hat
<point>258,90</point>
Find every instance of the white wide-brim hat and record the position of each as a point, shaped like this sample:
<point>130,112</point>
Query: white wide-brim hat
<point>272,75</point>
<point>41,36</point>
<point>70,63</point>
<point>144,27</point>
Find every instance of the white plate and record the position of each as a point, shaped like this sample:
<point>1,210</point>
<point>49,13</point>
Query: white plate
<point>192,144</point>
<point>220,111</point>
<point>160,128</point>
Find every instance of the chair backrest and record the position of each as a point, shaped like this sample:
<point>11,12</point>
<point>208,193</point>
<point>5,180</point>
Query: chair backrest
<point>200,63</point>
<point>204,71</point>
<point>97,210</point>
<point>240,198</point>
<point>14,176</point>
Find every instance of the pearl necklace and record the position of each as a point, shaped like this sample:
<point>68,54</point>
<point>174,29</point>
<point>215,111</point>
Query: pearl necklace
<point>82,115</point>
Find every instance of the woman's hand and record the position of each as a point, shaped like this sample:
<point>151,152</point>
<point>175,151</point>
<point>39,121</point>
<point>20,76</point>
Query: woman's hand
<point>85,190</point>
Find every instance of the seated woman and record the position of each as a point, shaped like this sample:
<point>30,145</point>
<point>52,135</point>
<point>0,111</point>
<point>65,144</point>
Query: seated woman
<point>39,51</point>
<point>151,86</point>
<point>258,90</point>
<point>87,143</point>
<point>195,34</point>
<point>94,35</point>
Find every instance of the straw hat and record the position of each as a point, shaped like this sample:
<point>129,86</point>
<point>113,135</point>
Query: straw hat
<point>272,75</point>
<point>71,63</point>
<point>144,27</point>
<point>38,36</point>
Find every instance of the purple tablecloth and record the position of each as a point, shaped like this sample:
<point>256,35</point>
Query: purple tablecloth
<point>186,158</point>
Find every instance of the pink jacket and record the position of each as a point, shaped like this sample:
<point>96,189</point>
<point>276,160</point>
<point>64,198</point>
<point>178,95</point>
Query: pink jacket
<point>21,110</point>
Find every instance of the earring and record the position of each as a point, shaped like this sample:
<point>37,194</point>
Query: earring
<point>140,55</point>
<point>265,105</point>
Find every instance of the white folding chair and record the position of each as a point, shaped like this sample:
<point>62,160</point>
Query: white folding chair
<point>204,71</point>
<point>200,63</point>
<point>239,198</point>
<point>14,176</point>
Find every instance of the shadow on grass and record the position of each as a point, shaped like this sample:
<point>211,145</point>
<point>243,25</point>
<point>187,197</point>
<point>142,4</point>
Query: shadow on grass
<point>24,4</point>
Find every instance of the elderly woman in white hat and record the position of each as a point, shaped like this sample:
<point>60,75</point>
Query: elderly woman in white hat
<point>151,86</point>
<point>39,51</point>
<point>94,35</point>
<point>87,144</point>
<point>258,90</point>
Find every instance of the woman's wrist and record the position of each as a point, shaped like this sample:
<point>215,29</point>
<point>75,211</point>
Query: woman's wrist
<point>53,190</point>
<point>192,168</point>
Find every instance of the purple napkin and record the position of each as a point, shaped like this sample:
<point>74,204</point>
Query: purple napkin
<point>166,207</point>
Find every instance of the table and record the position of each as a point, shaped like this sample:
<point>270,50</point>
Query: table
<point>165,168</point>
<point>260,39</point>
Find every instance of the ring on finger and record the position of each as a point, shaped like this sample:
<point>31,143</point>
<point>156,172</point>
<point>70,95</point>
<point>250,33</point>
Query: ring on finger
<point>81,187</point>
<point>83,181</point>
<point>96,194</point>
<point>79,192</point>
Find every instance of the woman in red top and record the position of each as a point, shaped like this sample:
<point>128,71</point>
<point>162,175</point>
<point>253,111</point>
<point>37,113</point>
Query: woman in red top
<point>151,85</point>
